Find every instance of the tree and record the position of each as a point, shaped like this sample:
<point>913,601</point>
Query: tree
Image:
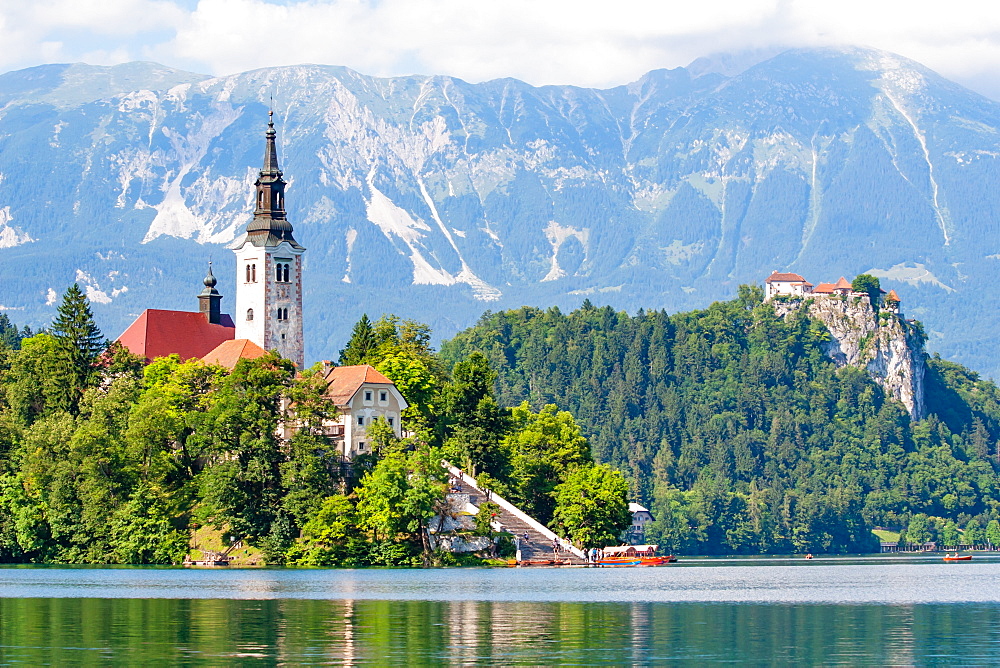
<point>544,447</point>
<point>993,533</point>
<point>402,494</point>
<point>918,530</point>
<point>360,345</point>
<point>949,534</point>
<point>868,284</point>
<point>974,534</point>
<point>79,344</point>
<point>475,422</point>
<point>592,506</point>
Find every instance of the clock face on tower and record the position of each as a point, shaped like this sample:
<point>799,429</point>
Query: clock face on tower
<point>269,267</point>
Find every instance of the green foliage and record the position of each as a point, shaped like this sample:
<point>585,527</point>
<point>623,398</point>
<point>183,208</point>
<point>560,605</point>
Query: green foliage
<point>545,447</point>
<point>404,491</point>
<point>868,284</point>
<point>592,506</point>
<point>993,533</point>
<point>736,430</point>
<point>360,345</point>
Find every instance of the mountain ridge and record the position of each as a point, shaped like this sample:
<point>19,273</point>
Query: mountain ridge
<point>436,198</point>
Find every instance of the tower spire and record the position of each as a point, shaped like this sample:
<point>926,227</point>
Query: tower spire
<point>210,301</point>
<point>270,226</point>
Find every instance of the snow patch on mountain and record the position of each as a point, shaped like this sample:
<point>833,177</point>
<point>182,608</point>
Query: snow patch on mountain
<point>93,289</point>
<point>557,235</point>
<point>11,236</point>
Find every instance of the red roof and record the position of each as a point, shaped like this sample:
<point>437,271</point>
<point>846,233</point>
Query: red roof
<point>158,333</point>
<point>892,297</point>
<point>228,353</point>
<point>842,284</point>
<point>784,278</point>
<point>343,382</point>
<point>823,289</point>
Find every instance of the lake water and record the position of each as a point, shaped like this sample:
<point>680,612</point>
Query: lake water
<point>893,610</point>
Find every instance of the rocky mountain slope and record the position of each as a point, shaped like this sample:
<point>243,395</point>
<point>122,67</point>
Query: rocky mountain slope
<point>437,199</point>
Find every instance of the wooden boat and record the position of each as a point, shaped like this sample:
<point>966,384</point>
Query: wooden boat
<point>658,561</point>
<point>613,561</point>
<point>964,557</point>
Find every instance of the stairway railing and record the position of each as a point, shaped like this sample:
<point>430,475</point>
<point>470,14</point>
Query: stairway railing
<point>515,511</point>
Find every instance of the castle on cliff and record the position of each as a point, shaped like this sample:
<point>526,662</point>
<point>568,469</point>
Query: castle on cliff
<point>793,285</point>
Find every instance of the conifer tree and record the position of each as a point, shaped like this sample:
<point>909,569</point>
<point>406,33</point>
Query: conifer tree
<point>79,344</point>
<point>362,343</point>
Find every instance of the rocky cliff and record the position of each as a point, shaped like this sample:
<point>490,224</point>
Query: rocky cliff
<point>881,341</point>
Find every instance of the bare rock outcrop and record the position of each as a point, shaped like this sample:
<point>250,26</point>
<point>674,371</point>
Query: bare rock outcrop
<point>881,341</point>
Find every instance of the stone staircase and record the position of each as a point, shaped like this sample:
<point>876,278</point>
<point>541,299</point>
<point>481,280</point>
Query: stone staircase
<point>536,543</point>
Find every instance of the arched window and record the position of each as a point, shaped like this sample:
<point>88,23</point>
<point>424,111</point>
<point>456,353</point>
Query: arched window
<point>286,273</point>
<point>285,316</point>
<point>253,273</point>
<point>277,273</point>
<point>249,314</point>
<point>248,273</point>
<point>279,314</point>
<point>260,199</point>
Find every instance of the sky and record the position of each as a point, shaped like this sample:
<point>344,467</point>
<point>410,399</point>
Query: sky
<point>580,42</point>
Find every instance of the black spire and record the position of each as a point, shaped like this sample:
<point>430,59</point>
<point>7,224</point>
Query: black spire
<point>210,301</point>
<point>269,226</point>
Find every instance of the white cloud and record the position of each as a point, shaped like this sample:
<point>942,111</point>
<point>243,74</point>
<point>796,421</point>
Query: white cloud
<point>540,41</point>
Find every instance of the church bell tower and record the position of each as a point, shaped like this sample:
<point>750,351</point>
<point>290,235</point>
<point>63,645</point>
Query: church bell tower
<point>269,267</point>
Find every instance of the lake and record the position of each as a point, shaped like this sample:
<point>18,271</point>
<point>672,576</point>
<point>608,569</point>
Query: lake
<point>898,610</point>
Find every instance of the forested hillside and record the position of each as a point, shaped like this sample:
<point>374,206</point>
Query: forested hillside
<point>104,460</point>
<point>741,435</point>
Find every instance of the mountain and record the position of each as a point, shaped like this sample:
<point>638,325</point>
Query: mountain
<point>436,199</point>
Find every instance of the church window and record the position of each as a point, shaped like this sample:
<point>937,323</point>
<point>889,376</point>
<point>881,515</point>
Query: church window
<point>286,273</point>
<point>249,314</point>
<point>253,273</point>
<point>277,272</point>
<point>260,199</point>
<point>279,314</point>
<point>248,273</point>
<point>285,316</point>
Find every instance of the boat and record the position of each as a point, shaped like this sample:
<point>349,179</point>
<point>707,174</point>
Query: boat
<point>955,557</point>
<point>619,562</point>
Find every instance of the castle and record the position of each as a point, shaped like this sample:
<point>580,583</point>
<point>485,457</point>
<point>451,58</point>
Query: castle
<point>793,285</point>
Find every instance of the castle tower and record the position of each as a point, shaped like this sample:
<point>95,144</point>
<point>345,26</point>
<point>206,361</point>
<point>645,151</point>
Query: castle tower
<point>269,268</point>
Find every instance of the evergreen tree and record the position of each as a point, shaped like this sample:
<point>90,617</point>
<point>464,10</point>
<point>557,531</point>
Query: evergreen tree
<point>80,343</point>
<point>361,344</point>
<point>870,285</point>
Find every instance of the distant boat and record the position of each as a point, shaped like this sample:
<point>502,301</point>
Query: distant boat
<point>964,557</point>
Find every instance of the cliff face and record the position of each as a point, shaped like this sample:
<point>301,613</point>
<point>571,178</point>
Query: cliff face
<point>890,348</point>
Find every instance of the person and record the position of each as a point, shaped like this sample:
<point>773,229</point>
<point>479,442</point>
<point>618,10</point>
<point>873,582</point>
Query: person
<point>555,546</point>
<point>527,539</point>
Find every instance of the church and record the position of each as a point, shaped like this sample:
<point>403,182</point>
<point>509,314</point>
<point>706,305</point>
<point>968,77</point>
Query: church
<point>268,311</point>
<point>268,316</point>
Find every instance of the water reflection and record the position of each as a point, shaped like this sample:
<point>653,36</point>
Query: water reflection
<point>299,631</point>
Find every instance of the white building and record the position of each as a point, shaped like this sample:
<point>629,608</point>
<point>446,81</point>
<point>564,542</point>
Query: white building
<point>362,396</point>
<point>786,284</point>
